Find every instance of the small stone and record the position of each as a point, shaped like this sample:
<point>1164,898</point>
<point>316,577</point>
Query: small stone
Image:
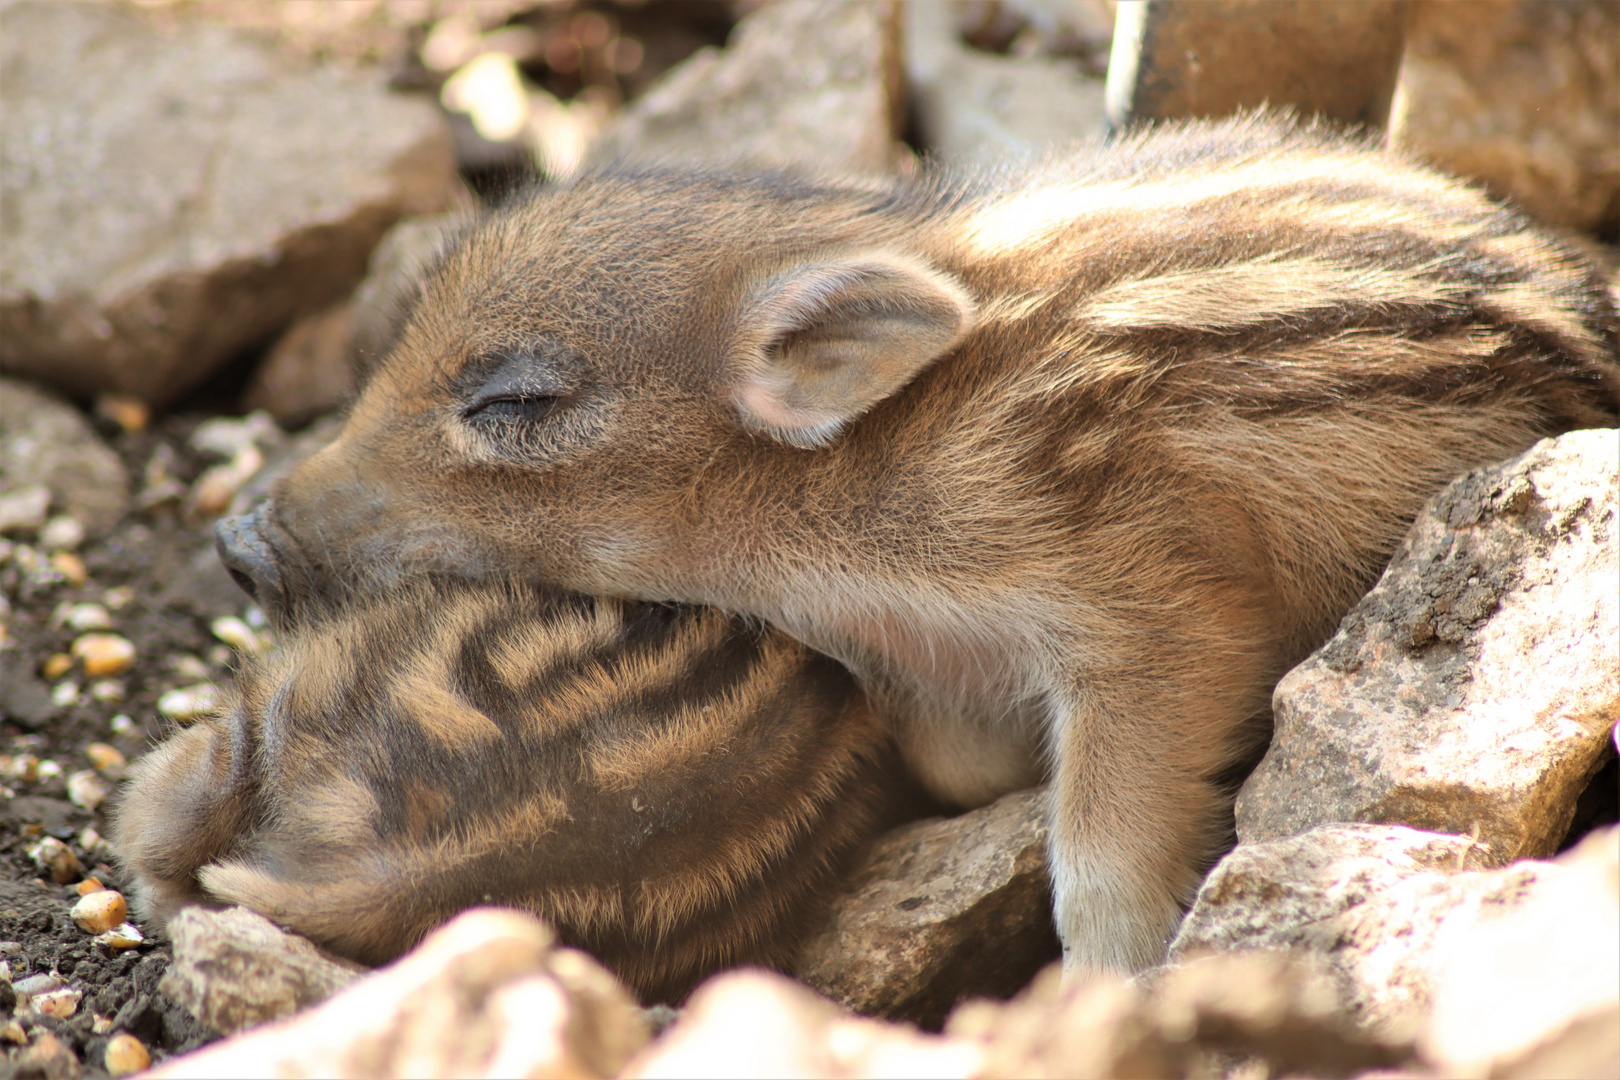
<point>49,768</point>
<point>87,789</point>
<point>56,665</point>
<point>24,510</point>
<point>108,691</point>
<point>123,936</point>
<point>100,911</point>
<point>12,1032</point>
<point>24,767</point>
<point>187,666</point>
<point>55,859</point>
<point>121,724</point>
<point>48,1058</point>
<point>118,598</point>
<point>64,694</point>
<point>106,758</point>
<point>100,1025</point>
<point>61,1004</point>
<point>61,533</point>
<point>127,411</point>
<point>104,654</point>
<point>215,488</point>
<point>237,634</point>
<point>229,436</point>
<point>189,702</point>
<point>89,885</point>
<point>85,617</point>
<point>125,1054</point>
<point>42,983</point>
<point>46,441</point>
<point>71,567</point>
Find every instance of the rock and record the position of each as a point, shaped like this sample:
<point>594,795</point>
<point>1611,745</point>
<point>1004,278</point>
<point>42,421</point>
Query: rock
<point>307,372</point>
<point>1475,688</point>
<point>45,442</point>
<point>973,105</point>
<point>235,969</point>
<point>47,1058</point>
<point>1523,95</point>
<point>100,911</point>
<point>247,192</point>
<point>125,1054</point>
<point>940,910</point>
<point>1405,924</point>
<point>55,859</point>
<point>392,276</point>
<point>104,654</point>
<point>485,995</point>
<point>757,1023</point>
<point>800,83</point>
<point>24,509</point>
<point>24,699</point>
<point>58,817</point>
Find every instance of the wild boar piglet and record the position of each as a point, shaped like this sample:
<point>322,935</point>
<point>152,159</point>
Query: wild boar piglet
<point>672,788</point>
<point>1068,463</point>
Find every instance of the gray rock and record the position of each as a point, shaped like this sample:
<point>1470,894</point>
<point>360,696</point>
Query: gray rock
<point>393,275</point>
<point>1420,942</point>
<point>307,371</point>
<point>1475,688</point>
<point>976,106</point>
<point>45,442</point>
<point>941,910</point>
<point>235,969</point>
<point>173,196</point>
<point>1523,96</point>
<point>25,699</point>
<point>801,82</point>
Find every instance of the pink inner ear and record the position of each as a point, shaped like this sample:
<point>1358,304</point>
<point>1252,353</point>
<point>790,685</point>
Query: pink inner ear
<point>767,406</point>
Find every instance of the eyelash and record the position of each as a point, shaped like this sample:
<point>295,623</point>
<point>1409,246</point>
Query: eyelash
<point>527,408</point>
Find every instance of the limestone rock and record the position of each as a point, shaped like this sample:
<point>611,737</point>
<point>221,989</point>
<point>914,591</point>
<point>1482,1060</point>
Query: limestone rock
<point>941,910</point>
<point>44,441</point>
<point>757,1023</point>
<point>1523,95</point>
<point>307,372</point>
<point>172,196</point>
<point>1414,936</point>
<point>801,82</point>
<point>973,105</point>
<point>1475,688</point>
<point>485,995</point>
<point>235,969</point>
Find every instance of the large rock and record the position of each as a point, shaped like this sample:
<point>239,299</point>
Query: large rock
<point>45,443</point>
<point>1523,95</point>
<point>1475,689</point>
<point>1418,941</point>
<point>173,196</point>
<point>801,82</point>
<point>235,969</point>
<point>972,105</point>
<point>488,994</point>
<point>941,910</point>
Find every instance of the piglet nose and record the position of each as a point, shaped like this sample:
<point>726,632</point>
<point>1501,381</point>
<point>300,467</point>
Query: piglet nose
<point>249,558</point>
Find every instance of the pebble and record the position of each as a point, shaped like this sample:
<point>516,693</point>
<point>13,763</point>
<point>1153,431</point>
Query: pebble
<point>61,1004</point>
<point>121,724</point>
<point>61,533</point>
<point>48,1057</point>
<point>49,768</point>
<point>104,654</point>
<point>84,616</point>
<point>92,844</point>
<point>108,691</point>
<point>215,489</point>
<point>123,936</point>
<point>100,911</point>
<point>100,1025</point>
<point>128,412</point>
<point>55,666</point>
<point>12,1032</point>
<point>64,694</point>
<point>105,758</point>
<point>125,1054</point>
<point>87,789</point>
<point>42,983</point>
<point>118,598</point>
<point>189,702</point>
<point>237,634</point>
<point>228,436</point>
<point>71,567</point>
<point>55,859</point>
<point>23,510</point>
<point>24,767</point>
<point>189,667</point>
<point>88,885</point>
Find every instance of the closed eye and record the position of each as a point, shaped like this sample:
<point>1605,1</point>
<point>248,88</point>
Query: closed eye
<point>526,407</point>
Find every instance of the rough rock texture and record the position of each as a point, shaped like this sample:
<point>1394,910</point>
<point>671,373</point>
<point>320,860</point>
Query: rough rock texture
<point>392,275</point>
<point>307,372</point>
<point>801,82</point>
<point>1475,688</point>
<point>757,1023</point>
<point>941,910</point>
<point>235,969</point>
<point>45,442</point>
<point>247,193</point>
<point>1407,928</point>
<point>1521,94</point>
<point>975,105</point>
<point>485,995</point>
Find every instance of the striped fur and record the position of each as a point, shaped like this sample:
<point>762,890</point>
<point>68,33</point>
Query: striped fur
<point>1067,464</point>
<point>670,787</point>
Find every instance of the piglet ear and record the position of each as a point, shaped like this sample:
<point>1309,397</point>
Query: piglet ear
<point>819,344</point>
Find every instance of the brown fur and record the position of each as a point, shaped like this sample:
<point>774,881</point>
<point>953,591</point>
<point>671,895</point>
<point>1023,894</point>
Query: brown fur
<point>1068,466</point>
<point>671,787</point>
